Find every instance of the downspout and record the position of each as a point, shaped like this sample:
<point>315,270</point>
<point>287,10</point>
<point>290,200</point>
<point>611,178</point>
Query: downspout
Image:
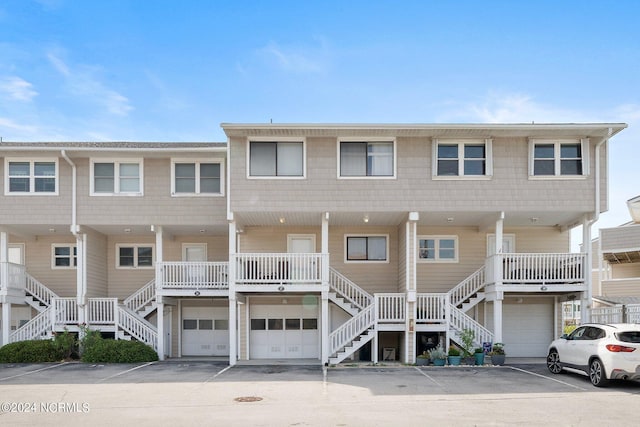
<point>589,223</point>
<point>81,297</point>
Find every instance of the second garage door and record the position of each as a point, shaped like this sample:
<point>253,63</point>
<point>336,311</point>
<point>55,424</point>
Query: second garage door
<point>528,329</point>
<point>205,331</point>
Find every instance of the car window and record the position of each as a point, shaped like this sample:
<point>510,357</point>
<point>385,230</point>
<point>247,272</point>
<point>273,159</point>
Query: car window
<point>593,333</point>
<point>578,333</point>
<point>630,336</point>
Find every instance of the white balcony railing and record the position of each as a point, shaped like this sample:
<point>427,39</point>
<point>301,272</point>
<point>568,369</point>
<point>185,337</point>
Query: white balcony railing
<point>536,268</point>
<point>102,311</point>
<point>12,277</point>
<point>431,308</point>
<point>193,275</point>
<point>65,311</point>
<point>280,268</point>
<point>391,307</point>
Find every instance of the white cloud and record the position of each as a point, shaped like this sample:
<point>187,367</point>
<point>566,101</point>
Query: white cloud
<point>308,59</point>
<point>84,82</point>
<point>10,124</point>
<point>17,89</point>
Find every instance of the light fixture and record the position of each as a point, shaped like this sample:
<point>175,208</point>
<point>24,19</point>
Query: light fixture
<point>52,230</point>
<point>284,301</point>
<point>197,293</point>
<point>127,230</point>
<point>543,288</point>
<point>281,288</point>
<point>282,220</point>
<point>450,219</point>
<point>533,219</point>
<point>519,300</point>
<point>203,230</point>
<point>365,218</point>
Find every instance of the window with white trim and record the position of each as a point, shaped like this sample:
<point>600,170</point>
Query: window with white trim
<point>196,178</point>
<point>366,248</point>
<point>134,256</point>
<point>276,159</point>
<point>31,177</point>
<point>367,159</point>
<point>462,158</point>
<point>558,157</point>
<point>63,256</point>
<point>438,248</point>
<point>116,177</point>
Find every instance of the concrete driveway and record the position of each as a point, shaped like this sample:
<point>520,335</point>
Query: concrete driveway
<point>211,393</point>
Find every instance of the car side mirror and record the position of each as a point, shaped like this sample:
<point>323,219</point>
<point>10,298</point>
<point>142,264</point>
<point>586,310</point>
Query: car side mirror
<point>565,337</point>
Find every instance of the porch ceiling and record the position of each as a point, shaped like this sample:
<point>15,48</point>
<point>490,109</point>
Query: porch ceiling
<point>30,231</point>
<point>625,257</point>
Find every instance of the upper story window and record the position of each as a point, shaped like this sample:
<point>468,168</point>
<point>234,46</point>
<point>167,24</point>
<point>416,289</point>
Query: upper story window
<point>122,177</point>
<point>466,158</point>
<point>367,159</point>
<point>558,158</point>
<point>438,248</point>
<point>64,256</point>
<point>31,177</point>
<point>202,178</point>
<point>268,159</point>
<point>366,248</point>
<point>134,256</point>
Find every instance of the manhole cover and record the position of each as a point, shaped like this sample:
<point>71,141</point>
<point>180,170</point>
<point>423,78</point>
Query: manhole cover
<point>248,399</point>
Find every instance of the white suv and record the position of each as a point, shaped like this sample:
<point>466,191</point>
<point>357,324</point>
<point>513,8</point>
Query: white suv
<point>604,352</point>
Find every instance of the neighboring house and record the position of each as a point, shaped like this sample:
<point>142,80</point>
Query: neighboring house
<point>617,282</point>
<point>305,241</point>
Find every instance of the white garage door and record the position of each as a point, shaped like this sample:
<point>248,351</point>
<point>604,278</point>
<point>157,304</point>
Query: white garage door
<point>283,332</point>
<point>205,331</point>
<point>527,329</point>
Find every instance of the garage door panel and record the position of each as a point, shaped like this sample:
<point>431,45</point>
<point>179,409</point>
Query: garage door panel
<point>205,331</point>
<point>527,329</point>
<point>279,331</point>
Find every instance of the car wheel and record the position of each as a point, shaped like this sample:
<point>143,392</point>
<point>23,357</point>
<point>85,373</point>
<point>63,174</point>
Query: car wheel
<point>597,375</point>
<point>553,362</point>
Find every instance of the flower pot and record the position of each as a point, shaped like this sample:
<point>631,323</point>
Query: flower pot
<point>479,358</point>
<point>497,359</point>
<point>439,362</point>
<point>454,360</point>
<point>422,361</point>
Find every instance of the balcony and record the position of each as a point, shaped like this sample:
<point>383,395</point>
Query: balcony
<point>189,278</point>
<point>12,282</point>
<point>535,272</point>
<point>270,272</point>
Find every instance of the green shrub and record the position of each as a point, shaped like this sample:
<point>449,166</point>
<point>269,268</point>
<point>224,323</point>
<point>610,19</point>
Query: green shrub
<point>118,351</point>
<point>66,344</point>
<point>35,351</point>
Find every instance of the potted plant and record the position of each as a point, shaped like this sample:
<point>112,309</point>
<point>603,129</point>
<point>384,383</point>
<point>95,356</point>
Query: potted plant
<point>422,359</point>
<point>454,356</point>
<point>497,354</point>
<point>438,356</point>
<point>478,354</point>
<point>467,336</point>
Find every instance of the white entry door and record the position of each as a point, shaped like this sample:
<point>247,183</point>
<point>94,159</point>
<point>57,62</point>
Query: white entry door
<point>196,253</point>
<point>301,244</point>
<point>15,254</point>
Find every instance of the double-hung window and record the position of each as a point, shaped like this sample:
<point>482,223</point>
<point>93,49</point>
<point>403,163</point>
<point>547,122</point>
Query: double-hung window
<point>134,256</point>
<point>271,159</point>
<point>567,158</point>
<point>122,177</point>
<point>31,177</point>
<point>438,248</point>
<point>466,158</point>
<point>367,159</point>
<point>366,248</point>
<point>64,256</point>
<point>202,178</point>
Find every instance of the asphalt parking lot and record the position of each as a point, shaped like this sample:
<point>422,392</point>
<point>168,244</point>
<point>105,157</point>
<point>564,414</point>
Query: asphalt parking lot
<point>212,393</point>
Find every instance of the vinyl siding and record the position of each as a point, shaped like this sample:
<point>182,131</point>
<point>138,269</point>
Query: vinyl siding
<point>619,238</point>
<point>38,264</point>
<point>124,282</point>
<point>97,278</point>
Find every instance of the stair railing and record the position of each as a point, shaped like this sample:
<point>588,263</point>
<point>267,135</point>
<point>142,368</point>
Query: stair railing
<point>348,290</point>
<point>352,329</point>
<point>142,297</point>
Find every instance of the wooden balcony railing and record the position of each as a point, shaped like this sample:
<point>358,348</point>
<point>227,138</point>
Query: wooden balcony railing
<point>12,277</point>
<point>536,268</point>
<point>193,275</point>
<point>280,268</point>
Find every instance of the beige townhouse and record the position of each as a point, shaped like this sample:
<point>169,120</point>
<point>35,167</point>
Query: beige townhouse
<point>305,241</point>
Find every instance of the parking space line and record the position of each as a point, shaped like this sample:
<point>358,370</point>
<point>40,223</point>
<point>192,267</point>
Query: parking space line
<point>428,376</point>
<point>125,372</point>
<point>33,372</point>
<point>214,376</point>
<point>547,378</point>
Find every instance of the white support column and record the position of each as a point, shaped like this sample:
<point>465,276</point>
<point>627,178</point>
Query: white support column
<point>324,247</point>
<point>4,246</point>
<point>585,303</point>
<point>411,278</point>
<point>160,328</point>
<point>233,303</point>
<point>497,318</point>
<point>324,319</point>
<point>6,323</point>
<point>159,254</point>
<point>81,277</point>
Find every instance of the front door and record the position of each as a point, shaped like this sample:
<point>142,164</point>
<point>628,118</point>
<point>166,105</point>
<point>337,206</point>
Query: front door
<point>301,244</point>
<point>195,253</point>
<point>15,253</point>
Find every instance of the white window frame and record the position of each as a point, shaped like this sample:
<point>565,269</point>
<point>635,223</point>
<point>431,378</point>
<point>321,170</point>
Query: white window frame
<point>368,140</point>
<point>135,265</point>
<point>32,177</point>
<point>557,143</point>
<point>197,163</point>
<point>346,249</point>
<point>488,160</point>
<point>438,238</point>
<point>73,258</point>
<point>276,140</point>
<point>116,177</point>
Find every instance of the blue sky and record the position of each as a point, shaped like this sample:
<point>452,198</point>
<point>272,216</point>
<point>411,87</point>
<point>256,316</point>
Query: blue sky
<point>75,70</point>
